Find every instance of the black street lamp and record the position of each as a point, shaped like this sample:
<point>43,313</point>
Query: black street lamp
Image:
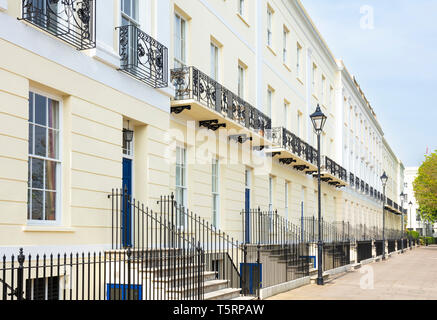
<point>319,120</point>
<point>411,221</point>
<point>403,198</point>
<point>384,179</point>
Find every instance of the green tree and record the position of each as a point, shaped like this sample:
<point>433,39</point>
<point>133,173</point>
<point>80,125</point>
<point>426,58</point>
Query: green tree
<point>425,188</point>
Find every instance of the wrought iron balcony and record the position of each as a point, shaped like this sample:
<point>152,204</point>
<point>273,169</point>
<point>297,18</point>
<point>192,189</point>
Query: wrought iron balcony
<point>362,186</point>
<point>72,21</point>
<point>335,170</point>
<point>357,183</point>
<point>367,188</point>
<point>352,179</point>
<point>192,84</point>
<point>143,57</point>
<point>371,191</point>
<point>389,202</point>
<point>285,139</point>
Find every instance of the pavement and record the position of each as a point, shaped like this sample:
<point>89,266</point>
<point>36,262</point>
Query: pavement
<point>408,276</point>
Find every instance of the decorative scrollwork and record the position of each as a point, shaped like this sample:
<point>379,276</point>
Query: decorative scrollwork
<point>70,20</point>
<point>191,83</point>
<point>143,57</point>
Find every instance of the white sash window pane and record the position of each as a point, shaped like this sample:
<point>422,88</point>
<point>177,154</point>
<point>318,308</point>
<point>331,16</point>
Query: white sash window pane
<point>40,110</point>
<point>214,61</point>
<point>44,164</point>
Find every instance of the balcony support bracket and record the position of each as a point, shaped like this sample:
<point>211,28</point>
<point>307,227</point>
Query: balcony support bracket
<point>240,138</point>
<point>212,124</point>
<point>179,109</point>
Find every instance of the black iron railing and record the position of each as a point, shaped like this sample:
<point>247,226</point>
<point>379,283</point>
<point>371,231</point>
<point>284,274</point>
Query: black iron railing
<point>72,21</point>
<point>334,168</point>
<point>357,183</point>
<point>289,141</point>
<point>364,250</point>
<point>223,254</point>
<point>191,83</point>
<point>147,274</point>
<point>143,57</point>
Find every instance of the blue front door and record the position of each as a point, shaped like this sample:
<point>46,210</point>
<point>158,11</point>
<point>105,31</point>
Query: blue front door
<point>126,209</point>
<point>247,218</point>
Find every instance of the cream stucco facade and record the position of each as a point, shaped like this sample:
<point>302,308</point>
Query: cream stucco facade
<point>268,53</point>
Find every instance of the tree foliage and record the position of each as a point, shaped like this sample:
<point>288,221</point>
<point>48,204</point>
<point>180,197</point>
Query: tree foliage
<point>425,188</point>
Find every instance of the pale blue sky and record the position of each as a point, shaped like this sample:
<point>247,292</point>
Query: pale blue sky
<point>395,64</point>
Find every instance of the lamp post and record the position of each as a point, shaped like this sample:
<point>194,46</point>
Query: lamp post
<point>319,120</point>
<point>411,221</point>
<point>403,198</point>
<point>384,179</point>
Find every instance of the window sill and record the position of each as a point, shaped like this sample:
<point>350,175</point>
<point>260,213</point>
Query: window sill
<point>242,19</point>
<point>271,50</point>
<point>52,229</point>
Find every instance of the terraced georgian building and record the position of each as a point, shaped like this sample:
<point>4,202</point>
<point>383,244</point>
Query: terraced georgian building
<point>218,94</point>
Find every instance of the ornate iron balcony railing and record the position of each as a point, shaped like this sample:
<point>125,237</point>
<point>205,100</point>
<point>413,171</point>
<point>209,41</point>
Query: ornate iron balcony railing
<point>389,202</point>
<point>357,183</point>
<point>191,83</point>
<point>367,188</point>
<point>335,169</point>
<point>143,57</point>
<point>289,141</point>
<point>72,21</point>
<point>352,179</point>
<point>362,186</point>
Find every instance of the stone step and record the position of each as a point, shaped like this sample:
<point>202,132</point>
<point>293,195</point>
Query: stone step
<point>168,270</point>
<point>208,287</point>
<point>207,276</point>
<point>245,298</point>
<point>224,294</point>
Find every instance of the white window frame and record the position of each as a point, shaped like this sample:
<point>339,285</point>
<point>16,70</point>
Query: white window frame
<point>298,60</point>
<point>181,187</point>
<point>269,26</point>
<point>269,102</point>
<point>323,95</point>
<point>314,72</point>
<point>284,49</point>
<point>241,4</point>
<point>58,201</point>
<point>180,35</point>
<point>215,194</point>
<point>241,80</point>
<point>286,114</point>
<point>214,51</point>
<point>135,8</point>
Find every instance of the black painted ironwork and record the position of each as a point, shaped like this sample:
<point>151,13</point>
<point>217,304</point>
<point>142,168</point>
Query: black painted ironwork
<point>143,57</point>
<point>152,273</point>
<point>73,21</point>
<point>192,84</point>
<point>334,168</point>
<point>289,141</point>
<point>240,138</point>
<point>213,125</point>
<point>179,109</point>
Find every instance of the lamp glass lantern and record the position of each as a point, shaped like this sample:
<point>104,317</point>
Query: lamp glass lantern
<point>319,119</point>
<point>384,179</point>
